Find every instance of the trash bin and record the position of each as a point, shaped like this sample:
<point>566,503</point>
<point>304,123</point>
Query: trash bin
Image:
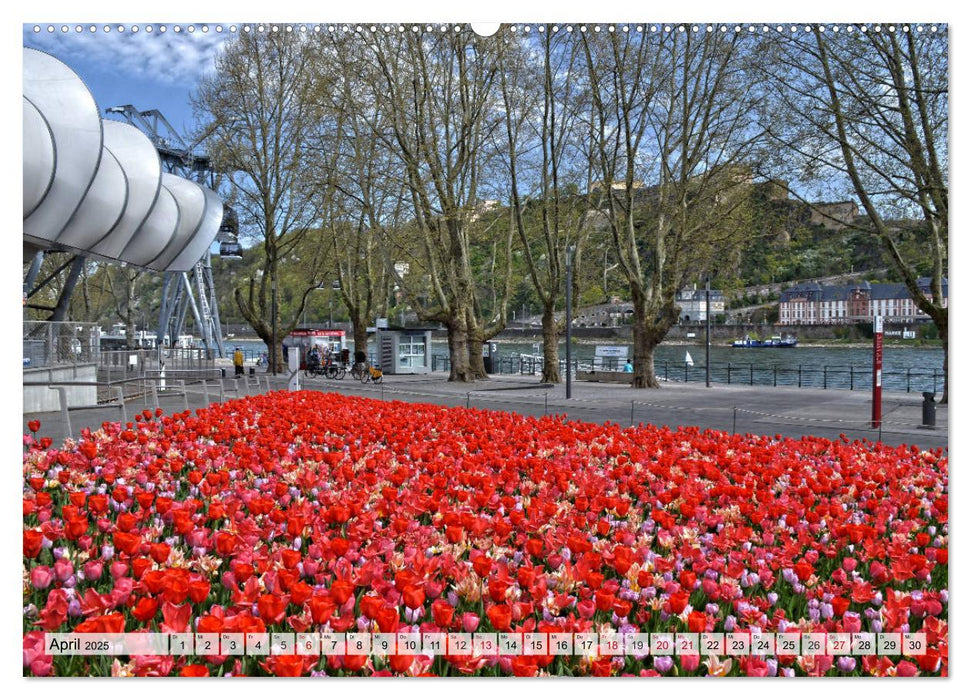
<point>929,410</point>
<point>222,371</point>
<point>252,371</point>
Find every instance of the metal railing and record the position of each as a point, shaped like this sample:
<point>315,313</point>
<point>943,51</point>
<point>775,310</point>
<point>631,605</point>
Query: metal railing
<point>810,376</point>
<point>152,387</point>
<point>58,343</point>
<point>909,380</point>
<point>125,365</point>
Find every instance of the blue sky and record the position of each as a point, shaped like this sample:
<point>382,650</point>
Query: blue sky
<point>147,69</point>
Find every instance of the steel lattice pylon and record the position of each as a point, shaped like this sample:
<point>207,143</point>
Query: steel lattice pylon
<point>195,290</point>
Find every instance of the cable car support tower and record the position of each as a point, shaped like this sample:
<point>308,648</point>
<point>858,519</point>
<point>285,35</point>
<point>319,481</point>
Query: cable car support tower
<point>193,291</point>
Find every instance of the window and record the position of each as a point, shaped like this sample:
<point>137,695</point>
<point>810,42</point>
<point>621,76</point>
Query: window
<point>411,352</point>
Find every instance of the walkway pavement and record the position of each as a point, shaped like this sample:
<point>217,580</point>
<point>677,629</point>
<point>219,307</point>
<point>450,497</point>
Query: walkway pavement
<point>787,411</point>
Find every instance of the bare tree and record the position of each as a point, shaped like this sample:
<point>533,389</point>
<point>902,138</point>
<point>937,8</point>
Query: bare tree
<point>259,117</point>
<point>548,217</point>
<point>669,109</point>
<point>435,91</point>
<point>362,183</point>
<point>868,110</point>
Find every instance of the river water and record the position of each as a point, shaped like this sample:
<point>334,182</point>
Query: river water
<point>904,368</point>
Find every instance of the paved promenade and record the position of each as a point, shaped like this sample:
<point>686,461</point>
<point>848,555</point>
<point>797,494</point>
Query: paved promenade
<point>785,411</point>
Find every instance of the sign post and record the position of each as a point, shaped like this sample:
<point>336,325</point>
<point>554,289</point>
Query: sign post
<point>569,318</point>
<point>876,416</point>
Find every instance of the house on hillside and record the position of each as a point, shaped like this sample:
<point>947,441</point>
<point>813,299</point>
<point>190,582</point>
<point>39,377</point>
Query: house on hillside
<point>692,303</point>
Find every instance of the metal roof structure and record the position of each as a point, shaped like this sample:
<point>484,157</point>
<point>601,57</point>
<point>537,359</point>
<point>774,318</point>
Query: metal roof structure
<point>97,188</point>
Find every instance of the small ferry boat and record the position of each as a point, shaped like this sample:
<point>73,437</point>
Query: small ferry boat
<point>776,341</point>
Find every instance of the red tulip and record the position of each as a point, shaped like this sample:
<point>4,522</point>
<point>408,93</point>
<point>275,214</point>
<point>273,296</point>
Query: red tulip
<point>500,616</point>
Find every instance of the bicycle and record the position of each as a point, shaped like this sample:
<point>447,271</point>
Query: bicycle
<point>315,370</point>
<point>371,374</point>
<point>335,371</point>
<point>357,371</point>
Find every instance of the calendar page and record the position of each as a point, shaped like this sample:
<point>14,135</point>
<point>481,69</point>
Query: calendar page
<point>751,217</point>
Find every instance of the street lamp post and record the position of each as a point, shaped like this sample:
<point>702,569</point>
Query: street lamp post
<point>708,331</point>
<point>569,318</point>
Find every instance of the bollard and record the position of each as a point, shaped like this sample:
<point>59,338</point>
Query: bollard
<point>121,405</point>
<point>632,413</point>
<point>929,411</point>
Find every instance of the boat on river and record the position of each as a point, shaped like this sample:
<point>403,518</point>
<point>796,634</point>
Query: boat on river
<point>776,341</point>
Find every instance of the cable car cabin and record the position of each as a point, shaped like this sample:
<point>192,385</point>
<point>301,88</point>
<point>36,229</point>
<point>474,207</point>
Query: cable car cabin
<point>228,235</point>
<point>233,251</point>
<point>302,339</point>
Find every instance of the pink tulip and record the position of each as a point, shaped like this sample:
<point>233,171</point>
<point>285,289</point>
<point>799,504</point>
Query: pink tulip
<point>118,569</point>
<point>41,577</point>
<point>470,622</point>
<point>63,569</point>
<point>852,622</point>
<point>906,669</point>
<point>93,569</point>
<point>690,663</point>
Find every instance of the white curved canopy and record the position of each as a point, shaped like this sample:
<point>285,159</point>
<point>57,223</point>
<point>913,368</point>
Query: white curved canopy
<point>39,168</point>
<point>96,186</point>
<point>142,167</point>
<point>72,115</point>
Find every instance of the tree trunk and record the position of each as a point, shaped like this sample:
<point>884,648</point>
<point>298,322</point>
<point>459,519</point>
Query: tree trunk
<point>551,353</point>
<point>651,325</point>
<point>359,331</point>
<point>644,377</point>
<point>281,364</point>
<point>458,350</point>
<point>476,339</point>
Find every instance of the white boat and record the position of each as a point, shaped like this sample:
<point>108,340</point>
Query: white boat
<point>687,359</point>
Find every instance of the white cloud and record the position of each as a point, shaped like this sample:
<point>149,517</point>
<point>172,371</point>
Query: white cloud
<point>171,58</point>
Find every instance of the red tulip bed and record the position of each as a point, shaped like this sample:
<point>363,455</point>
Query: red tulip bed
<point>294,512</point>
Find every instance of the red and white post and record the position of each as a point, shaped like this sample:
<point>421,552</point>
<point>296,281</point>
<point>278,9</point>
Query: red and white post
<point>876,416</point>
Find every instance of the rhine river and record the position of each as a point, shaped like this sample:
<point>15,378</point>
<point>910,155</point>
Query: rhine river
<point>835,367</point>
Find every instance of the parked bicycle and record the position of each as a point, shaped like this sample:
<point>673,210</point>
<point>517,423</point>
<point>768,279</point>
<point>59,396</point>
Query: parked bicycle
<point>335,370</point>
<point>315,369</point>
<point>371,374</point>
<point>358,369</point>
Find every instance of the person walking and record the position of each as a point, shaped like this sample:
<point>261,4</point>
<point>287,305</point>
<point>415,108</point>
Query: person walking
<point>238,361</point>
